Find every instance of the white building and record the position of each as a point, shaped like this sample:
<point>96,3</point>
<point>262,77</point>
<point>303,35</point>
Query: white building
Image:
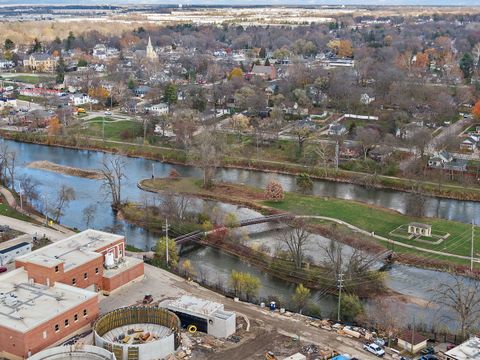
<point>158,109</point>
<point>207,316</point>
<point>10,253</point>
<point>82,99</point>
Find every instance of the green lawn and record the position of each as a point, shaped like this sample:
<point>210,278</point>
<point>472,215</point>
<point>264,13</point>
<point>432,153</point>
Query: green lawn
<point>32,79</point>
<point>380,221</point>
<point>6,210</point>
<point>115,130</point>
<point>35,99</point>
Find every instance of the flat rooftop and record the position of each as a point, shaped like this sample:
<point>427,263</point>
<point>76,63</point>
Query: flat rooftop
<point>72,251</point>
<point>195,305</point>
<point>24,305</point>
<point>468,350</point>
<point>127,263</point>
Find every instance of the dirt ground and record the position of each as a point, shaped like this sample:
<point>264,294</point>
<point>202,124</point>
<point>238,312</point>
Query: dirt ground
<point>66,170</point>
<point>253,346</point>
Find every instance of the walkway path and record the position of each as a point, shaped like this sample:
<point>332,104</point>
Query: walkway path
<point>32,229</point>
<point>390,241</point>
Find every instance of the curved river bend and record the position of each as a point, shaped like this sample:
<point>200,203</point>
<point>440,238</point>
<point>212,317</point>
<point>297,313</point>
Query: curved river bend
<point>216,265</point>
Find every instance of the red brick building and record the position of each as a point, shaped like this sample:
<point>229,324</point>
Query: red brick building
<point>53,292</point>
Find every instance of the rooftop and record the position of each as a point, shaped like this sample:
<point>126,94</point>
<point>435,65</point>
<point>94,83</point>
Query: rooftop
<point>72,251</point>
<point>195,305</point>
<point>420,225</point>
<point>24,305</point>
<point>470,349</point>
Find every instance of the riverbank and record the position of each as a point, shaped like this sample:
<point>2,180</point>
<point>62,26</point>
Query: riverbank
<point>178,156</point>
<point>371,228</point>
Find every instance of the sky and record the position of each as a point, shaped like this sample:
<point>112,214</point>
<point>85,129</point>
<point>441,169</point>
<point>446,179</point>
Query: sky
<point>253,2</point>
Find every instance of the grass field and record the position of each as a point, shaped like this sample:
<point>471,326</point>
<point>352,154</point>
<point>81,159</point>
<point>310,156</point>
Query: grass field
<point>380,221</point>
<point>32,79</point>
<point>115,130</point>
<point>6,210</point>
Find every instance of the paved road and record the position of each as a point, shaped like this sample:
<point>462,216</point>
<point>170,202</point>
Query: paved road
<point>163,285</point>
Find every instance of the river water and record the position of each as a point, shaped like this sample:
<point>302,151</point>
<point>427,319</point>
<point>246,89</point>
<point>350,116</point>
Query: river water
<point>215,265</point>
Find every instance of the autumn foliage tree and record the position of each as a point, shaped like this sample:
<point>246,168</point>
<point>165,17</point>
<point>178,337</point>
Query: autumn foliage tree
<point>476,110</point>
<point>236,72</point>
<point>54,126</point>
<point>274,191</point>
<point>343,48</point>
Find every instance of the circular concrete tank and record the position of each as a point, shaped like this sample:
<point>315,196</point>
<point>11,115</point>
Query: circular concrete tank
<point>74,352</point>
<point>138,333</point>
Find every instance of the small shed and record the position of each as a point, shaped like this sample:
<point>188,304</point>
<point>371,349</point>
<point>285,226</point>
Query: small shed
<point>412,341</point>
<point>420,229</point>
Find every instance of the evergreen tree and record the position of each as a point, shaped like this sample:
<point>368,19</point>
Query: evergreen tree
<point>171,96</point>
<point>8,45</point>
<point>70,40</point>
<point>60,71</point>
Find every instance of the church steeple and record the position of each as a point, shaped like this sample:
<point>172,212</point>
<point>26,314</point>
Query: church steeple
<point>151,54</point>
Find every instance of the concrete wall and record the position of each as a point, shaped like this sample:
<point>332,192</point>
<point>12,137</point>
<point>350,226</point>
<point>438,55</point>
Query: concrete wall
<point>19,344</point>
<point>158,349</point>
<point>62,352</point>
<point>222,328</point>
<point>407,346</point>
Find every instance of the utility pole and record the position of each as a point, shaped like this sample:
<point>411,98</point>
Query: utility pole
<point>337,151</point>
<point>471,247</point>
<point>103,128</point>
<point>46,211</point>
<point>166,241</point>
<point>153,171</point>
<point>413,333</point>
<point>340,286</point>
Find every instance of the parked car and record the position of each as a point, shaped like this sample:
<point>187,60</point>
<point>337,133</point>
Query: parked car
<point>3,269</point>
<point>374,349</point>
<point>380,342</point>
<point>428,351</point>
<point>429,357</point>
<point>108,113</point>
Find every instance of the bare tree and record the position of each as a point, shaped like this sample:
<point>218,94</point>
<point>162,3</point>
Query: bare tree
<point>64,196</point>
<point>113,172</point>
<point>368,139</point>
<point>175,206</point>
<point>29,187</point>
<point>88,214</point>
<point>207,154</point>
<point>295,237</point>
<point>7,165</point>
<point>459,300</point>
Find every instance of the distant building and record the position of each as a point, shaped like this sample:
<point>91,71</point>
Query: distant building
<point>470,143</point>
<point>82,99</point>
<point>337,129</point>
<point>158,109</point>
<point>41,62</point>
<point>6,64</point>
<point>265,72</point>
<point>141,90</point>
<point>150,52</point>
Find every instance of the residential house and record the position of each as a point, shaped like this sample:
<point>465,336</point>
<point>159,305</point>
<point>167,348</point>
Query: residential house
<point>336,129</point>
<point>8,102</point>
<point>6,64</point>
<point>103,52</point>
<point>82,99</point>
<point>158,109</point>
<point>41,62</point>
<point>141,90</point>
<point>470,143</point>
<point>265,72</point>
<point>439,159</point>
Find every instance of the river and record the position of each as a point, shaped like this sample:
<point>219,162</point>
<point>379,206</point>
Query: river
<point>214,264</point>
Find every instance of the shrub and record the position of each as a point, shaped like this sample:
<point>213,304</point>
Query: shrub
<point>274,191</point>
